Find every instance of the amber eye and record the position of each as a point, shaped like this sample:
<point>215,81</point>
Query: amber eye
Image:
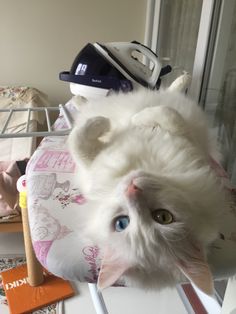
<point>162,216</point>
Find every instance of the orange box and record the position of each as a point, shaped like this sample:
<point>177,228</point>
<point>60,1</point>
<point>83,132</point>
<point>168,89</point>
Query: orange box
<point>22,298</point>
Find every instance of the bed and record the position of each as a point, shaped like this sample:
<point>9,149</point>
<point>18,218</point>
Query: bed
<point>17,148</point>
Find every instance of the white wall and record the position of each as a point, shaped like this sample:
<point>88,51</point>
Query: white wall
<point>40,38</point>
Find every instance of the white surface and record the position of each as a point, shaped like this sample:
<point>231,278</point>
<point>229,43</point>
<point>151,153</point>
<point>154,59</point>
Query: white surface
<point>127,301</point>
<point>210,303</point>
<point>88,92</point>
<point>229,304</point>
<point>18,148</point>
<point>118,300</point>
<point>11,244</point>
<point>134,301</point>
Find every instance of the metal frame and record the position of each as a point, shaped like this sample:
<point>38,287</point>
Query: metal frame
<point>152,23</point>
<point>97,299</point>
<point>212,80</point>
<point>26,133</point>
<point>201,49</point>
<point>184,299</point>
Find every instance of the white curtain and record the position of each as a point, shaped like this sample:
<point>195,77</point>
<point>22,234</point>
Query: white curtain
<point>178,31</point>
<point>177,38</point>
<point>225,118</point>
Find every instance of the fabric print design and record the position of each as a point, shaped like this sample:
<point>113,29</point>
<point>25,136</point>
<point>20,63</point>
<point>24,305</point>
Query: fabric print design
<point>45,227</point>
<point>55,161</point>
<point>12,92</point>
<point>3,299</point>
<point>5,264</point>
<point>45,230</point>
<point>67,198</point>
<point>60,123</point>
<point>43,186</point>
<point>11,262</point>
<point>53,143</point>
<point>91,256</point>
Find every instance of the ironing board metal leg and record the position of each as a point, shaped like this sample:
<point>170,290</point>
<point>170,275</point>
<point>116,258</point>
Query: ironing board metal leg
<point>35,271</point>
<point>98,300</point>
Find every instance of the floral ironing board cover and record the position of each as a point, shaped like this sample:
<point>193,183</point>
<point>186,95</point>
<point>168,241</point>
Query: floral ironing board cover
<point>54,199</point>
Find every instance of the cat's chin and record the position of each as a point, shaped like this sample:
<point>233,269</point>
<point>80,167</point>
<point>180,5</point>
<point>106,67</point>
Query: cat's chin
<point>155,280</point>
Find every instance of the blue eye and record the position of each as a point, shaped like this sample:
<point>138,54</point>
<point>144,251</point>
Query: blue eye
<point>121,223</point>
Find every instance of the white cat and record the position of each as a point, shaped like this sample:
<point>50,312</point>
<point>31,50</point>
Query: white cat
<point>143,164</point>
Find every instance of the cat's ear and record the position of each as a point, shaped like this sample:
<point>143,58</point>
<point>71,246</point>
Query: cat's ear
<point>197,270</point>
<point>111,270</point>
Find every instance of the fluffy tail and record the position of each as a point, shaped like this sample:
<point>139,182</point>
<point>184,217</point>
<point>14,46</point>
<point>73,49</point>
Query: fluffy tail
<point>181,83</point>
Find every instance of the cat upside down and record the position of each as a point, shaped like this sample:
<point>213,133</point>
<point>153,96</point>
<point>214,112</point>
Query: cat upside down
<point>143,164</point>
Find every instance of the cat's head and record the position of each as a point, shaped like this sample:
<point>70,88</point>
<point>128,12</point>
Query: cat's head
<point>158,226</point>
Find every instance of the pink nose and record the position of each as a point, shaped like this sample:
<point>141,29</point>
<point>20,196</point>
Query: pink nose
<point>132,189</point>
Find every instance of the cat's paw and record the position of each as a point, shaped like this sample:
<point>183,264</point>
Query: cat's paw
<point>84,140</point>
<point>146,117</point>
<point>164,117</point>
<point>96,127</point>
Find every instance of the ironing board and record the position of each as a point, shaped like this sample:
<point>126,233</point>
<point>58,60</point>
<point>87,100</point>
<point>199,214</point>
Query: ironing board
<point>53,201</point>
<point>53,197</point>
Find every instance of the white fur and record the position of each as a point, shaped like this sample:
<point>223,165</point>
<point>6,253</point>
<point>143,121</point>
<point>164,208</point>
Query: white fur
<point>158,140</point>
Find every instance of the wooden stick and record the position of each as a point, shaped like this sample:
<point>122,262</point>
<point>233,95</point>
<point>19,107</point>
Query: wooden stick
<point>35,270</point>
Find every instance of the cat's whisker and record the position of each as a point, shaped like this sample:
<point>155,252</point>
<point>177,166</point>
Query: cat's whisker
<point>175,234</point>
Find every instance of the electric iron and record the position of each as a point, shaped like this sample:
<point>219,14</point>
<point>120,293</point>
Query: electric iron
<point>99,69</point>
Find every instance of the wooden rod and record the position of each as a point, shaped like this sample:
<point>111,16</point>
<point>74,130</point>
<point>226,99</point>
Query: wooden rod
<point>35,270</point>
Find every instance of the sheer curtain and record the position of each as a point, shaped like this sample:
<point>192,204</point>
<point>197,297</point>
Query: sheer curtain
<point>177,38</point>
<point>225,117</point>
<point>178,31</point>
